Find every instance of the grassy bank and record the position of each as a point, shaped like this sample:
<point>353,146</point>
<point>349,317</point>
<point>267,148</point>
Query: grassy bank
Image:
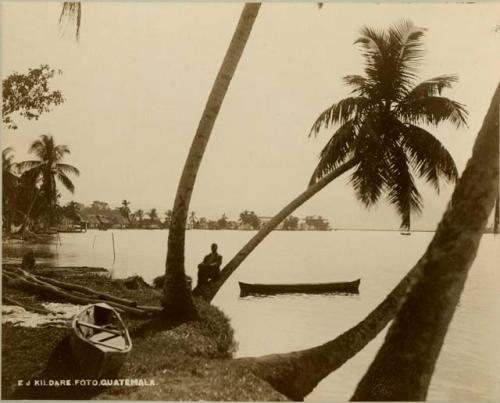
<point>191,361</point>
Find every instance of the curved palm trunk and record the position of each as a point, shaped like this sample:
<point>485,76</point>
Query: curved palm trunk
<point>208,290</point>
<point>403,367</point>
<point>177,299</point>
<point>297,373</point>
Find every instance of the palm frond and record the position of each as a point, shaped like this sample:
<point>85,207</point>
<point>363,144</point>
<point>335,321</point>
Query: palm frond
<point>432,110</point>
<point>60,151</point>
<point>406,54</point>
<point>408,38</point>
<point>361,85</point>
<point>428,157</point>
<point>67,169</point>
<point>432,87</point>
<point>336,151</point>
<point>25,166</point>
<point>372,41</point>
<point>368,179</point>
<point>7,153</point>
<point>37,148</point>
<point>66,182</point>
<point>341,112</point>
<point>8,164</point>
<point>71,13</point>
<point>368,182</point>
<point>402,191</point>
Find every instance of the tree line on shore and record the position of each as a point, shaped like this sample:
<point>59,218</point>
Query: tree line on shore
<point>99,215</point>
<point>379,138</point>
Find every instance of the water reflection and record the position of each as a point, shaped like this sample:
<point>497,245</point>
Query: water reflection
<point>326,296</point>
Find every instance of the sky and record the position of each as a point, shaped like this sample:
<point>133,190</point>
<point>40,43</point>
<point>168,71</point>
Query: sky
<point>137,80</point>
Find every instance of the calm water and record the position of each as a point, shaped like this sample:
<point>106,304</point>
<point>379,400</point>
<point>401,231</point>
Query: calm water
<point>469,364</point>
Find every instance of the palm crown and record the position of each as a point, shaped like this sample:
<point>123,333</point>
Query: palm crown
<point>379,122</point>
<point>49,166</point>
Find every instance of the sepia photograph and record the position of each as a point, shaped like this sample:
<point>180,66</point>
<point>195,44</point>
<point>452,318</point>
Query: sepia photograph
<point>229,201</point>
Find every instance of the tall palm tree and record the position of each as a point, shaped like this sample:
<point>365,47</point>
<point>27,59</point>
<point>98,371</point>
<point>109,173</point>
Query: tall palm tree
<point>403,367</point>
<point>177,299</point>
<point>421,331</point>
<point>378,134</point>
<point>10,183</point>
<point>49,167</point>
<point>379,123</point>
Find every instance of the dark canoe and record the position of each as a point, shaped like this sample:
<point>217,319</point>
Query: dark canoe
<point>305,288</point>
<point>100,341</point>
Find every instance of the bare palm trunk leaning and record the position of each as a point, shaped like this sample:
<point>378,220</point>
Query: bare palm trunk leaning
<point>387,155</point>
<point>403,367</point>
<point>177,300</point>
<point>208,290</point>
<point>297,373</point>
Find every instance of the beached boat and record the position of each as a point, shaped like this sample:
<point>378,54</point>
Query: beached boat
<point>100,341</point>
<point>306,288</point>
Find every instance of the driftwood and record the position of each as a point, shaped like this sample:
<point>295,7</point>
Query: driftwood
<point>78,295</point>
<point>86,290</point>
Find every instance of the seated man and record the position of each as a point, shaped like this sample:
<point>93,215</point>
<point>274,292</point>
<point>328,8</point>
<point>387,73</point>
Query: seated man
<point>209,268</point>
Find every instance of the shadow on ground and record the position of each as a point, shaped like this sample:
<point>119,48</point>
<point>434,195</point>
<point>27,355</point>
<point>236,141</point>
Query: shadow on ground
<point>60,366</point>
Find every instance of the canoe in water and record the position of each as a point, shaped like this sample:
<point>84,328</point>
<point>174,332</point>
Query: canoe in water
<point>306,288</point>
<point>100,342</point>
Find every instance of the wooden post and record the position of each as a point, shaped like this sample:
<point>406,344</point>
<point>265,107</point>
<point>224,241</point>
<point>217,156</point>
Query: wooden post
<point>113,238</point>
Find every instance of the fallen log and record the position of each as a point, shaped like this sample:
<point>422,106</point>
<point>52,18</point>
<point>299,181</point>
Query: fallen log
<point>86,290</point>
<point>82,289</point>
<point>37,286</point>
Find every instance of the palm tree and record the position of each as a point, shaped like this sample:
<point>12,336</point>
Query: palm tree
<point>10,183</point>
<point>168,218</point>
<point>125,209</point>
<point>297,373</point>
<point>139,214</point>
<point>378,134</point>
<point>250,218</point>
<point>291,223</point>
<point>192,219</point>
<point>403,367</point>
<point>379,123</point>
<point>177,300</point>
<point>47,168</point>
<point>153,214</point>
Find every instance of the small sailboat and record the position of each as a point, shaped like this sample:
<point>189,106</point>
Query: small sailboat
<point>405,233</point>
<point>100,341</point>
